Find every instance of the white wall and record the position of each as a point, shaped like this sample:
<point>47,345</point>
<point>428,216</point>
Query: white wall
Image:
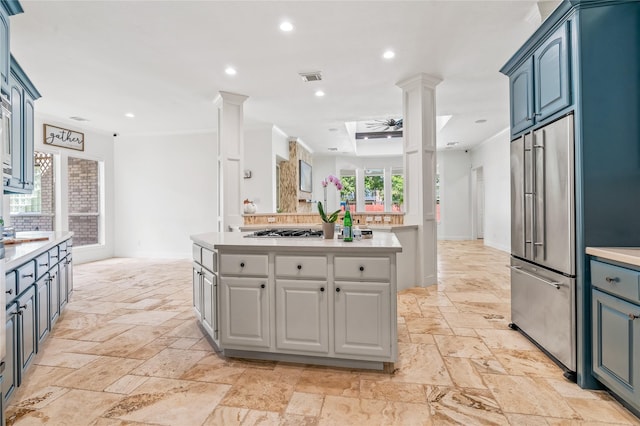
<point>454,168</point>
<point>494,157</point>
<point>258,158</point>
<point>98,146</point>
<point>166,191</point>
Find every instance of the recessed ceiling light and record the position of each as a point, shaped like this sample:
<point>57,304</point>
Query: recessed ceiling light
<point>389,137</point>
<point>333,129</point>
<point>366,137</point>
<point>452,143</point>
<point>319,93</point>
<point>75,117</point>
<point>332,149</point>
<point>286,27</point>
<point>130,115</point>
<point>389,54</point>
<point>230,71</point>
<point>482,120</point>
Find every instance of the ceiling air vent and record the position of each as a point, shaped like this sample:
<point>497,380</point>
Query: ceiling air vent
<point>78,118</point>
<point>311,76</point>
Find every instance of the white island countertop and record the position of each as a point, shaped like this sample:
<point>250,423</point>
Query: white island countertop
<point>381,242</point>
<point>628,255</point>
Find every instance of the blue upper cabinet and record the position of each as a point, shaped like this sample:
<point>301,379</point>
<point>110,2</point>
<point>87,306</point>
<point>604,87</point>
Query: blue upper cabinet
<point>540,86</point>
<point>551,74</point>
<point>7,8</point>
<point>521,93</point>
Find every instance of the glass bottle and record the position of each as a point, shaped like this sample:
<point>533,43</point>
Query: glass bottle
<point>347,229</point>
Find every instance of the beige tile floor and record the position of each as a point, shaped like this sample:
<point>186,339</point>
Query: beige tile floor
<point>128,351</point>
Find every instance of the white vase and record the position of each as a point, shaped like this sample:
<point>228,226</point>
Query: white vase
<point>250,208</point>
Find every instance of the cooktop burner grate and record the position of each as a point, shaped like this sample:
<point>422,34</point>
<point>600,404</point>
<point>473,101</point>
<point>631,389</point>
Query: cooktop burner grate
<point>286,233</point>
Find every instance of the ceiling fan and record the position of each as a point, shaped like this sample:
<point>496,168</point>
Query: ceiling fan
<point>389,124</point>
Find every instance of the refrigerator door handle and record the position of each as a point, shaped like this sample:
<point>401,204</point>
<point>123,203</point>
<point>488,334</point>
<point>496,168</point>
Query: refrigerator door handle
<point>542,193</point>
<point>553,284</point>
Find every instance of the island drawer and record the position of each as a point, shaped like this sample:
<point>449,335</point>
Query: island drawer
<point>26,275</point>
<point>301,266</point>
<point>244,264</point>
<point>11,289</point>
<point>54,256</point>
<point>42,264</point>
<point>616,280</point>
<point>362,268</point>
<point>209,260</point>
<point>62,247</point>
<point>197,253</point>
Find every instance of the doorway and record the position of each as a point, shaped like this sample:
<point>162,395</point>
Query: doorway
<point>477,203</point>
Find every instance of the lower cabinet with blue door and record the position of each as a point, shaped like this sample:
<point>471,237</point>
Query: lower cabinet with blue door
<point>29,303</point>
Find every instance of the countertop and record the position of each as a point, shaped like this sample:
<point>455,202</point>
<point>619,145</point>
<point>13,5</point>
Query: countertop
<point>387,227</point>
<point>383,242</point>
<point>628,255</point>
<point>16,254</point>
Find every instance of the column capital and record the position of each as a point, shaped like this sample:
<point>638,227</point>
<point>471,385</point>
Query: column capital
<point>418,80</point>
<point>232,98</point>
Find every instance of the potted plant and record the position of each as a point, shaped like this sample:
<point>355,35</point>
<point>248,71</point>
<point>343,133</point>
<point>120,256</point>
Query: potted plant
<point>328,220</point>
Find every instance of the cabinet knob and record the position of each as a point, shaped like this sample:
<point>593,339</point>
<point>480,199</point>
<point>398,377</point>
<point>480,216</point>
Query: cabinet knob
<point>242,264</point>
<point>612,280</point>
<point>299,267</point>
<point>337,289</point>
<point>361,268</point>
<point>10,291</point>
<point>321,288</point>
<point>263,285</point>
<point>633,316</point>
<point>43,264</point>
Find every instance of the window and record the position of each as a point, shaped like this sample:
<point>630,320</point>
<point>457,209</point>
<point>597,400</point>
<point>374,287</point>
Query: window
<point>374,190</point>
<point>397,190</point>
<point>35,211</point>
<point>348,192</point>
<point>84,201</point>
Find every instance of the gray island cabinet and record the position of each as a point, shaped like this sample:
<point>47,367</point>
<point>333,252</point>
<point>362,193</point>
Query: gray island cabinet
<point>306,300</point>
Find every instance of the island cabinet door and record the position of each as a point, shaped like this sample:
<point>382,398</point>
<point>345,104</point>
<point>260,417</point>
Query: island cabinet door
<point>42,305</point>
<point>302,316</point>
<point>209,303</point>
<point>197,290</point>
<point>54,292</point>
<point>362,318</point>
<point>244,309</point>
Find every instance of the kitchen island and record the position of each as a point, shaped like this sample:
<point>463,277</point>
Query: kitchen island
<point>308,300</point>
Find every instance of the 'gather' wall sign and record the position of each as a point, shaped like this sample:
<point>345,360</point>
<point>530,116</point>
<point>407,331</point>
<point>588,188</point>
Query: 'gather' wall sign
<point>65,138</point>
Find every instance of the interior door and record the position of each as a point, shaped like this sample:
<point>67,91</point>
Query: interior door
<point>554,222</point>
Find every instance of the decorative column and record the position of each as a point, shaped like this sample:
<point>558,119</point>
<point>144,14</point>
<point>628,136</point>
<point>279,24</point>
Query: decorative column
<point>360,205</point>
<point>230,154</point>
<point>419,158</point>
<point>388,186</point>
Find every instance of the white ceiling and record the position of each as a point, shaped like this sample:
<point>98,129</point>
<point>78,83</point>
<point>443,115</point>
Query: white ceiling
<point>165,60</point>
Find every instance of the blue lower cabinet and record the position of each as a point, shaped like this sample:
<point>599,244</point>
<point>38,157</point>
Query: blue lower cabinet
<point>2,422</point>
<point>10,375</point>
<point>616,346</point>
<point>54,295</point>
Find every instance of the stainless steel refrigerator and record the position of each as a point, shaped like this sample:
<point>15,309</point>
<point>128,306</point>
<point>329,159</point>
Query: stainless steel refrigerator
<point>543,260</point>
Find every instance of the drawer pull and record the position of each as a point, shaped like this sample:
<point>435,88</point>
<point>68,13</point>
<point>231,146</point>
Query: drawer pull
<point>633,316</point>
<point>362,269</point>
<point>43,264</point>
<point>337,289</point>
<point>263,285</point>
<point>612,280</point>
<point>27,275</point>
<point>10,291</point>
<point>54,257</point>
<point>321,288</point>
<point>242,264</point>
<point>299,267</point>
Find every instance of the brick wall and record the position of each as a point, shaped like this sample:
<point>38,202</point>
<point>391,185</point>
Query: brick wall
<point>83,198</point>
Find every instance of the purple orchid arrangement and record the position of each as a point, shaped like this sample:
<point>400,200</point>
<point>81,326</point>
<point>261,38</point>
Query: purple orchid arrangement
<point>321,209</point>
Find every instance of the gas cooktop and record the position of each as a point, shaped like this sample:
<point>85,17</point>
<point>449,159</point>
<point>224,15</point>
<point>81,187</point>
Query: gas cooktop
<point>286,233</point>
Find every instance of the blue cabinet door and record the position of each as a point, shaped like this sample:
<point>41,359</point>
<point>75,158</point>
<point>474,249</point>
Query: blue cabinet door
<point>521,93</point>
<point>27,335</point>
<point>29,122</point>
<point>15,181</point>
<point>54,290</point>
<point>42,305</point>
<point>4,51</point>
<point>10,376</point>
<point>616,345</point>
<point>551,73</point>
